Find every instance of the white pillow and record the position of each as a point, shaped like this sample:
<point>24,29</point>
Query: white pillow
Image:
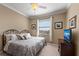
<point>13,37</point>
<point>10,37</point>
<point>28,36</point>
<point>22,34</point>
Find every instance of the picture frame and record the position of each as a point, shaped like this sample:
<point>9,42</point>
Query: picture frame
<point>72,22</point>
<point>33,26</point>
<point>58,25</point>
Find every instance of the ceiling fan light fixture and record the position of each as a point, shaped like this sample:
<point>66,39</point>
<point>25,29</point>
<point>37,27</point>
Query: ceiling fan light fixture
<point>34,6</point>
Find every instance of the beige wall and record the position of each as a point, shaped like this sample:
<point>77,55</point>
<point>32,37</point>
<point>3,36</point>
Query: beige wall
<point>11,20</point>
<point>33,21</point>
<point>56,33</point>
<point>72,11</point>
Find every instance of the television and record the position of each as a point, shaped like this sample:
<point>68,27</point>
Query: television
<point>67,35</point>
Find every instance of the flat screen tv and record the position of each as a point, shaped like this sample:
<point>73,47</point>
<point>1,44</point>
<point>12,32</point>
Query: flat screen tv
<point>67,35</point>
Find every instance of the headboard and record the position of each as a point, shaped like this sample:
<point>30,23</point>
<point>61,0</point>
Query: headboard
<point>24,31</point>
<point>10,31</point>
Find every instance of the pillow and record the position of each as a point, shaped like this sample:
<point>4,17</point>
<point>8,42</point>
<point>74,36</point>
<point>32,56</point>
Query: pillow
<point>13,37</point>
<point>22,34</point>
<point>20,37</point>
<point>25,35</point>
<point>10,37</point>
<point>28,36</point>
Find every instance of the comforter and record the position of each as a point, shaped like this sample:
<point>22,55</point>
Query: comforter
<point>29,47</point>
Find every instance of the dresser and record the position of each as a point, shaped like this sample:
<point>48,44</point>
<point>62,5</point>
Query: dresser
<point>65,49</point>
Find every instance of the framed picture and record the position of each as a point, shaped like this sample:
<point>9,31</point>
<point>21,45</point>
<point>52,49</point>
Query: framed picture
<point>72,22</point>
<point>58,25</point>
<point>33,26</point>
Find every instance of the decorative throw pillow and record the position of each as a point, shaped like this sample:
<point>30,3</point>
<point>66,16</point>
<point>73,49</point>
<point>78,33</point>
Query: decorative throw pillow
<point>19,37</point>
<point>24,37</point>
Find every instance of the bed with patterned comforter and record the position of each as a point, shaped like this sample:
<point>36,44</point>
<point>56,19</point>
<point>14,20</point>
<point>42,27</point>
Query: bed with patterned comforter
<point>29,47</point>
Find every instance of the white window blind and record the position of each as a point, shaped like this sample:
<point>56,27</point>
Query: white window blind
<point>44,25</point>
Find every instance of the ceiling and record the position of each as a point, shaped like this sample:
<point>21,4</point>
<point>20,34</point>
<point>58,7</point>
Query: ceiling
<point>26,8</point>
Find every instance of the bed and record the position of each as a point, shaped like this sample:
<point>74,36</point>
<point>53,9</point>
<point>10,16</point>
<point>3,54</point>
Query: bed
<point>27,47</point>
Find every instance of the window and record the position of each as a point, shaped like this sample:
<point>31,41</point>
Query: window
<point>44,25</point>
<point>44,28</point>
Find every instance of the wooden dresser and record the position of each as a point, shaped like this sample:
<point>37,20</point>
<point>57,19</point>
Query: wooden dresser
<point>65,49</point>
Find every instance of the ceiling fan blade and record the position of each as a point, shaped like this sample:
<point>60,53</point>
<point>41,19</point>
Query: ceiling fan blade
<point>44,7</point>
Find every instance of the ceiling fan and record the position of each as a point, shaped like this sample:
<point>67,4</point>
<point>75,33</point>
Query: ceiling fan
<point>36,6</point>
